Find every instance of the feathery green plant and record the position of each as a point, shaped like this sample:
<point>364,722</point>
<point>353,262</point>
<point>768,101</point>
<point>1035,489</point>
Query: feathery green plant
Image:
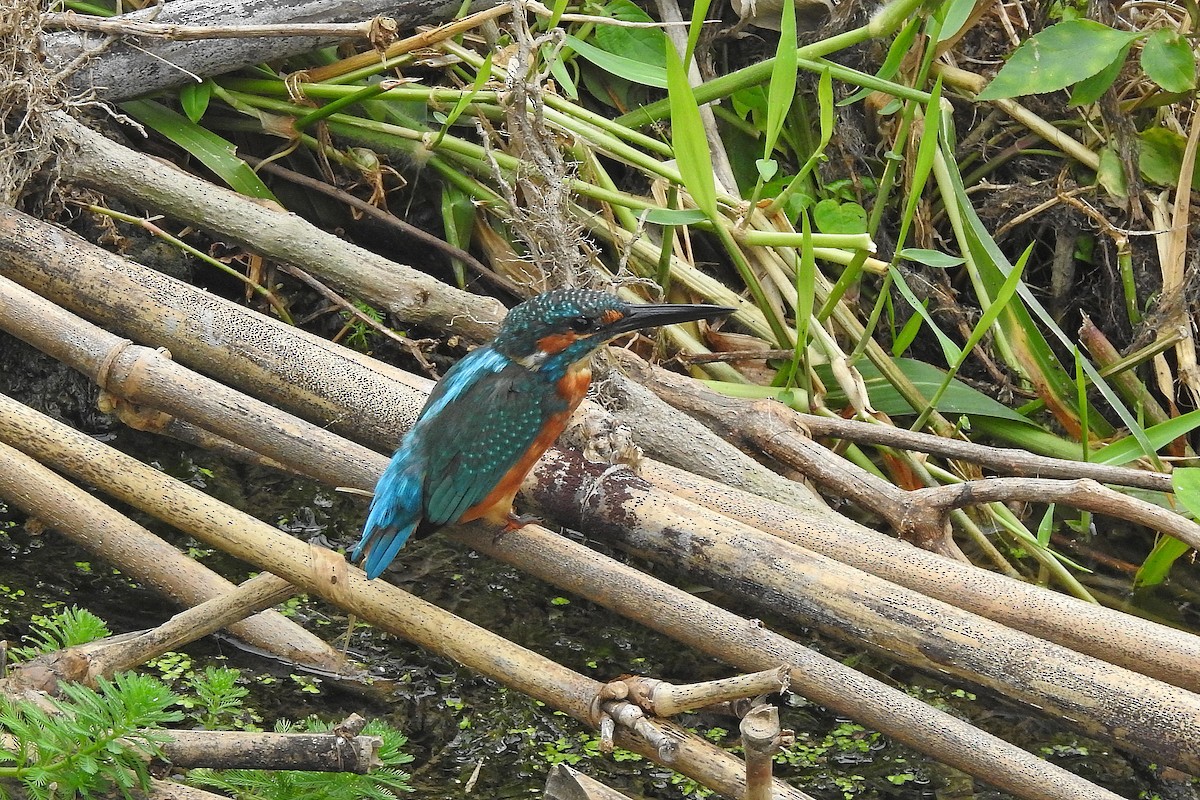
<point>94,743</point>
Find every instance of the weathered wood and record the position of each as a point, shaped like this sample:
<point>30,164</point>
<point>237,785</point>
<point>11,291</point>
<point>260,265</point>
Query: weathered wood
<point>323,572</point>
<point>678,613</point>
<point>125,71</point>
<point>113,537</point>
<point>314,752</point>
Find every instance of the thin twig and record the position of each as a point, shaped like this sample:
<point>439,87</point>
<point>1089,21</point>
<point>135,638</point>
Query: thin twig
<point>118,26</point>
<point>412,345</point>
<point>405,228</point>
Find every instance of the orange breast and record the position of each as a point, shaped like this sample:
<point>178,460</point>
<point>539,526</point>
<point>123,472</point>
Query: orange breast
<point>497,506</point>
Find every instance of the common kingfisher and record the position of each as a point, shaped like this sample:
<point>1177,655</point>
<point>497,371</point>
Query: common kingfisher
<point>494,414</point>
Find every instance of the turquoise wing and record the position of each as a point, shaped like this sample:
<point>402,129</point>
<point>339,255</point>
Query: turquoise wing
<point>479,437</point>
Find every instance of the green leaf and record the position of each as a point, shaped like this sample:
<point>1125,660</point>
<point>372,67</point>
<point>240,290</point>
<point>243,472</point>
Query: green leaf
<point>1111,173</point>
<point>1168,61</point>
<point>950,351</point>
<point>1089,90</point>
<point>1154,570</point>
<point>688,141</point>
<point>1186,483</point>
<point>782,88</point>
<point>1057,57</point>
<point>194,97</point>
<point>959,399</point>
<point>830,216</point>
<point>1160,157</point>
<point>1159,436</point>
<point>957,14</point>
<point>767,167</point>
<point>464,100</point>
<point>675,216</point>
<point>931,258</point>
<point>640,44</point>
<point>900,48</point>
<point>621,66</point>
<point>216,153</point>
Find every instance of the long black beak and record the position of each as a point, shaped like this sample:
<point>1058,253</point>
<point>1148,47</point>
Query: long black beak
<point>649,316</point>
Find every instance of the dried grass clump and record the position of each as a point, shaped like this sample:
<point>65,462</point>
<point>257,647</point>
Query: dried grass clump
<point>28,90</point>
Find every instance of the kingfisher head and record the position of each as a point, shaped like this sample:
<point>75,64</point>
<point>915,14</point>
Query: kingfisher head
<point>559,327</point>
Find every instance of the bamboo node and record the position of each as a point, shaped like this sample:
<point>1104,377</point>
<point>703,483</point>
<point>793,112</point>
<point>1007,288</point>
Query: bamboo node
<point>331,569</point>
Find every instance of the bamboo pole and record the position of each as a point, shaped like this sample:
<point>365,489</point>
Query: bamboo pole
<point>832,684</point>
<point>319,571</point>
<point>837,686</point>
<point>1097,696</point>
<point>371,401</point>
<point>413,296</point>
<point>76,514</point>
<point>835,697</point>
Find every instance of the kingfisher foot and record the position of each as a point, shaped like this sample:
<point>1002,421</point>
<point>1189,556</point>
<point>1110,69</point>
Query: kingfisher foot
<point>514,522</point>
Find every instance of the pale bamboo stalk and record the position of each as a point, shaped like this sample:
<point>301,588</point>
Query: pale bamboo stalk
<point>896,622</point>
<point>668,699</point>
<point>257,594</point>
<point>565,783</point>
<point>314,752</point>
<point>113,537</point>
<point>749,645</point>
<point>150,378</point>
<point>215,337</point>
<point>322,572</point>
<point>761,736</point>
<point>415,297</point>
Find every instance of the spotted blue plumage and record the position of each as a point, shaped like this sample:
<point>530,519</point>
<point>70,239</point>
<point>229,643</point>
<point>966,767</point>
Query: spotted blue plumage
<point>488,412</point>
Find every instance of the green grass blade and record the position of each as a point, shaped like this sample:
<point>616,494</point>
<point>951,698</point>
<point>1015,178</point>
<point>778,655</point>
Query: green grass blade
<point>692,157</point>
<point>782,88</point>
<point>216,153</point>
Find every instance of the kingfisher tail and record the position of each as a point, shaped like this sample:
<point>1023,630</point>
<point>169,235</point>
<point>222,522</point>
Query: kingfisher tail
<point>395,514</point>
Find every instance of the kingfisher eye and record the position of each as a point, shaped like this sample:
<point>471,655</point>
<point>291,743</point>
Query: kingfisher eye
<point>582,324</point>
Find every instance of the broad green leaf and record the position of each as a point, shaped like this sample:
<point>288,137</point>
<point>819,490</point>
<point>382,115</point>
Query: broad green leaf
<point>830,216</point>
<point>194,97</point>
<point>688,141</point>
<point>959,399</point>
<point>1159,436</point>
<point>1111,173</point>
<point>957,14</point>
<point>621,66</point>
<point>458,219</point>
<point>950,351</point>
<point>640,44</point>
<point>1089,90</point>
<point>675,216</point>
<point>1154,570</point>
<point>767,167</point>
<point>931,258</point>
<point>1186,483</point>
<point>1057,57</point>
<point>1160,157</point>
<point>1168,61</point>
<point>782,88</point>
<point>218,154</point>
